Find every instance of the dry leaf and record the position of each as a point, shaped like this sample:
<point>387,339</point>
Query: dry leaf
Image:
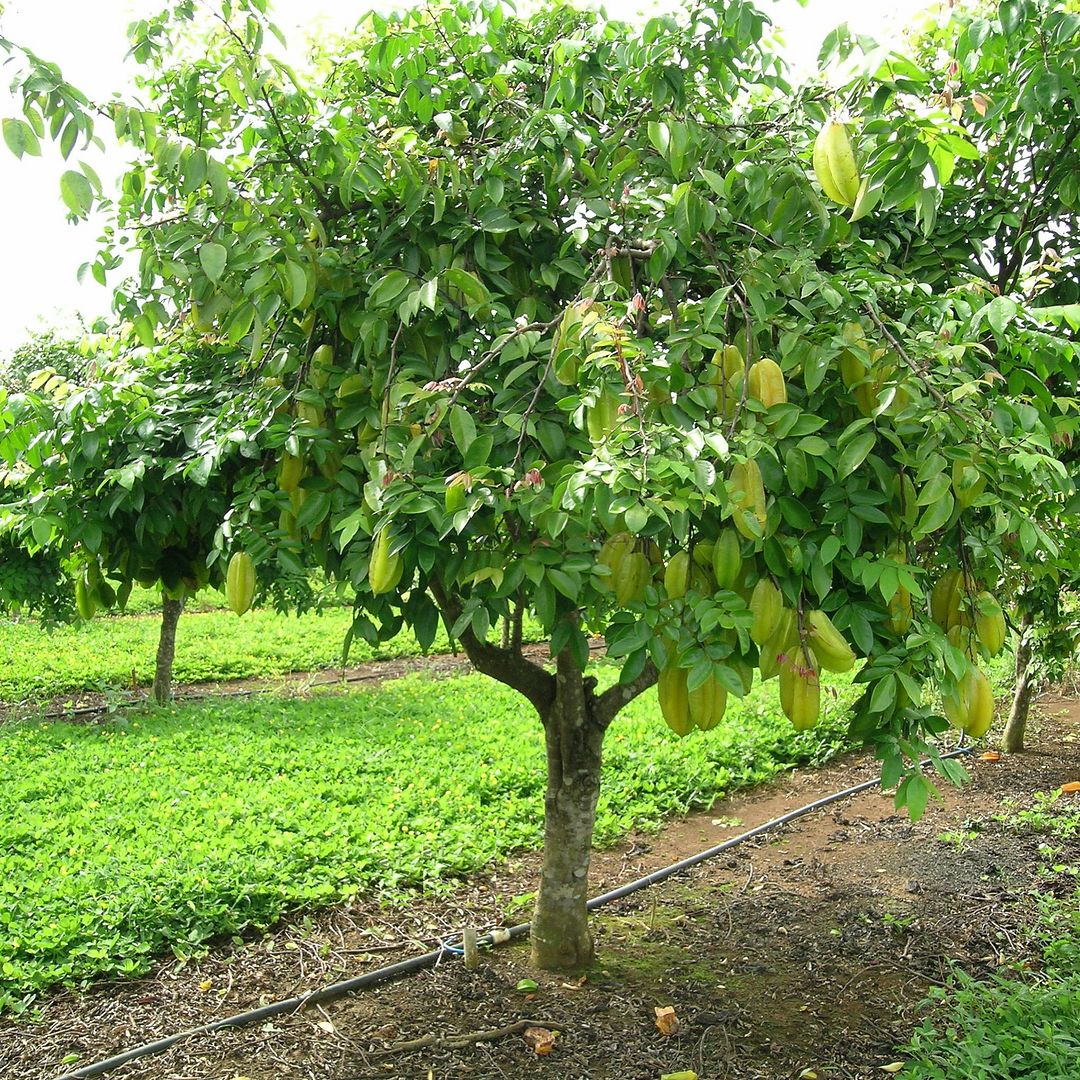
<point>540,1040</point>
<point>667,1023</point>
<point>686,1074</point>
<point>1069,788</point>
<point>990,755</point>
<point>205,984</point>
<point>326,1026</point>
<point>892,1067</point>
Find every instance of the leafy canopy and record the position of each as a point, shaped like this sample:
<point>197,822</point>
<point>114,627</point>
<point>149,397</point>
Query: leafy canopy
<point>481,264</point>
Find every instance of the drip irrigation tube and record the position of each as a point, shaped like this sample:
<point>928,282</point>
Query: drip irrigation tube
<point>495,937</point>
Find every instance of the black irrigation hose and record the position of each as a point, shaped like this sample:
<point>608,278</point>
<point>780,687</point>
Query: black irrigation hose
<point>495,937</point>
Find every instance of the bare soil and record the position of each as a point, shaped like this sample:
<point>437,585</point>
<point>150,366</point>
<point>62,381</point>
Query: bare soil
<point>88,705</point>
<point>808,949</point>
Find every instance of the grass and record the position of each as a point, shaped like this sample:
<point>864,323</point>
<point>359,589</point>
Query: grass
<point>158,831</point>
<point>211,644</point>
<point>1022,1023</point>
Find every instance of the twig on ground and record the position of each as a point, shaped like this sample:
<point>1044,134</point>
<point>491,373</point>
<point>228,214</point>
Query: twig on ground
<point>459,1042</point>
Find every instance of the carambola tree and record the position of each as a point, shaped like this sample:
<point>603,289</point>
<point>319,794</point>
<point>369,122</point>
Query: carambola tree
<point>117,476</point>
<point>566,316</point>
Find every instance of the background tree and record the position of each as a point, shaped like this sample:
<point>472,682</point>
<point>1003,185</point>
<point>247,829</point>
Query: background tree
<point>1003,214</point>
<point>48,350</point>
<point>554,301</point>
<point>124,480</point>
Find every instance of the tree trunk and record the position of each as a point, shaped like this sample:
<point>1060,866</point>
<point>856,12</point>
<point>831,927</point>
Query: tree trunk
<point>561,939</point>
<point>166,651</point>
<point>1016,727</point>
<point>575,719</point>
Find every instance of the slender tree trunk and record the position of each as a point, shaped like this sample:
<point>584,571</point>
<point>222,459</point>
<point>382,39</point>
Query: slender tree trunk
<point>166,652</point>
<point>575,719</point>
<point>561,939</point>
<point>1016,726</point>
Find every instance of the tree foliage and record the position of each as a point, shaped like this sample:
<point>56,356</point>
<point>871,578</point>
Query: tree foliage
<point>490,268</point>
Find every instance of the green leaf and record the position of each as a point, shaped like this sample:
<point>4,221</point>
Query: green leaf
<point>495,219</point>
<point>479,452</point>
<point>934,516</point>
<point>144,330</point>
<point>388,289</point>
<point>76,192</point>
<point>884,694</point>
<point>212,258</point>
<point>316,507</point>
<point>633,666</point>
<point>1012,14</point>
<point>569,585</point>
<point>429,293</point>
<point>913,794</point>
<point>463,428</point>
<point>20,138</point>
<point>467,283</point>
<point>659,136</point>
<point>854,454</point>
<point>813,444</point>
<point>815,365</point>
<point>239,323</point>
<point>297,280</point>
<point>892,768</point>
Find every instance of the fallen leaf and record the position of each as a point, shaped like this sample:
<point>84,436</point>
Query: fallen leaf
<point>1072,786</point>
<point>686,1074</point>
<point>325,1025</point>
<point>808,1074</point>
<point>892,1067</point>
<point>667,1023</point>
<point>527,986</point>
<point>540,1040</point>
<point>990,755</point>
<point>205,984</point>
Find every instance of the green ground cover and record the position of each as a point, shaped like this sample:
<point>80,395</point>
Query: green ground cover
<point>1017,1023</point>
<point>162,829</point>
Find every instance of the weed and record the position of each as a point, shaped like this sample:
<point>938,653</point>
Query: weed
<point>1021,1023</point>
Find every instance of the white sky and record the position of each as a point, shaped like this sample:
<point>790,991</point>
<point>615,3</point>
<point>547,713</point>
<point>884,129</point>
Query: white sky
<point>41,252</point>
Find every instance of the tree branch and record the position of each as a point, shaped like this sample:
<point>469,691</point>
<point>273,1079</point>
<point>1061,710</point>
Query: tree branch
<point>1012,267</point>
<point>504,665</point>
<point>931,389</point>
<point>612,701</point>
<point>516,620</point>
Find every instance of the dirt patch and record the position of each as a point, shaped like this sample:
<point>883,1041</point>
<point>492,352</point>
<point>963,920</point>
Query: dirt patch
<point>89,705</point>
<point>809,948</point>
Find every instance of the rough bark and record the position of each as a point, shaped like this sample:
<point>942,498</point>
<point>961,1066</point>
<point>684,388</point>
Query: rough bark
<point>561,939</point>
<point>1012,741</point>
<point>574,729</point>
<point>166,651</point>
